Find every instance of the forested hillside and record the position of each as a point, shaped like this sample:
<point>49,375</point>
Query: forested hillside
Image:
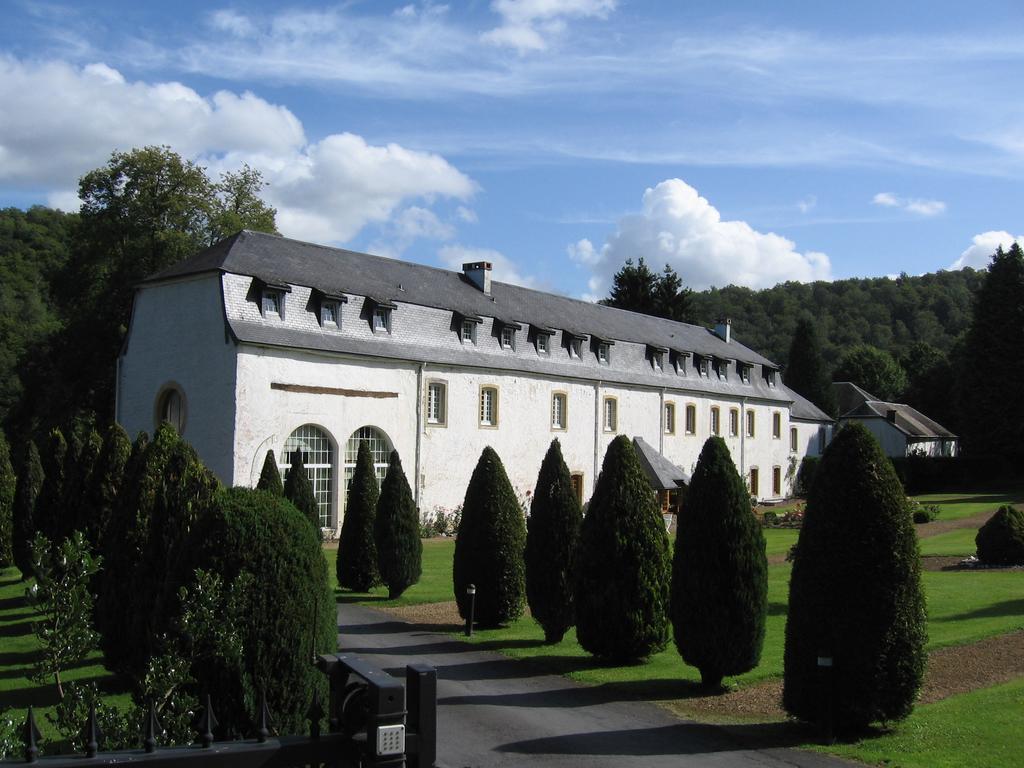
<point>888,314</point>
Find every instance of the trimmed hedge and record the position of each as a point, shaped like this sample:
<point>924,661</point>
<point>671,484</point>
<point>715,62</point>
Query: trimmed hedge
<point>719,572</point>
<point>289,610</point>
<point>855,592</point>
<point>552,536</point>
<point>396,532</point>
<point>1000,541</point>
<point>489,546</point>
<point>298,489</point>
<point>357,552</point>
<point>623,564</point>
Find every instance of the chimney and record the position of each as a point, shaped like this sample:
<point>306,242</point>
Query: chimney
<point>479,274</point>
<point>723,329</point>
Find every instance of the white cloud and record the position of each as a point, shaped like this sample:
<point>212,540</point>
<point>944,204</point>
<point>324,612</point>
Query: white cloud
<point>921,207</point>
<point>808,204</point>
<point>465,214</point>
<point>528,25</point>
<point>410,224</point>
<point>504,269</point>
<point>680,228</point>
<point>979,254</point>
<point>583,252</point>
<point>59,121</point>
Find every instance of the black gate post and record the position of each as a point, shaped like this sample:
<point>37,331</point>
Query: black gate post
<point>421,697</point>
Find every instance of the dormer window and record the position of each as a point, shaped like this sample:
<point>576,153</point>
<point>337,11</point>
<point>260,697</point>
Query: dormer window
<point>722,369</point>
<point>657,361</point>
<point>576,347</point>
<point>603,352</point>
<point>272,303</point>
<point>468,331</point>
<point>703,366</point>
<point>744,373</point>
<point>328,308</point>
<point>271,298</point>
<point>382,319</point>
<point>680,363</point>
<point>508,337</point>
<point>543,344</point>
<point>769,375</point>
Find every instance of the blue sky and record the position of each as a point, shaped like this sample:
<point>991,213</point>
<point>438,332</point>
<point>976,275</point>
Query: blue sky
<point>742,142</point>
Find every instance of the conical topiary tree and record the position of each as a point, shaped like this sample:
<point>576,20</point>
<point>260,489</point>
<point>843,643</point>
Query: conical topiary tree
<point>719,597</point>
<point>8,482</point>
<point>298,489</point>
<point>855,592</point>
<point>84,449</point>
<point>106,483</point>
<point>489,546</point>
<point>357,553</point>
<point>1000,541</point>
<point>26,493</point>
<point>50,514</point>
<point>396,532</point>
<point>622,564</point>
<point>552,535</point>
<point>270,478</point>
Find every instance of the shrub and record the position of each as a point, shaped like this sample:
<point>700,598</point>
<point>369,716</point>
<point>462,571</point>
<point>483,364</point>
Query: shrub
<point>50,513</point>
<point>552,535</point>
<point>855,592</point>
<point>26,493</point>
<point>805,475</point>
<point>440,522</point>
<point>922,513</point>
<point>171,492</point>
<point>61,597</point>
<point>8,482</point>
<point>84,447</point>
<point>298,489</point>
<point>489,546</point>
<point>357,552</point>
<point>769,518</point>
<point>288,611</point>
<point>396,532</point>
<point>622,563</point>
<point>106,483</point>
<point>719,597</point>
<point>121,547</point>
<point>270,479</point>
<point>1000,541</point>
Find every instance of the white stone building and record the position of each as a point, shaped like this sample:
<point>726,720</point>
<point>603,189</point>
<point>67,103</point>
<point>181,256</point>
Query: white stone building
<point>262,342</point>
<point>900,429</point>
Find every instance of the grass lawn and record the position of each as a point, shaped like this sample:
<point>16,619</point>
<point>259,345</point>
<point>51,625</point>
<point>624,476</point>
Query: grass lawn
<point>959,542</point>
<point>955,506</point>
<point>978,728</point>
<point>778,541</point>
<point>19,650</point>
<point>435,585</point>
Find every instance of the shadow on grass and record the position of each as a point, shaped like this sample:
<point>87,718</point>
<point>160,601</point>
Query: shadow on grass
<point>16,629</point>
<point>778,609</point>
<point>344,597</point>
<point>9,603</point>
<point>46,695</point>
<point>1005,608</point>
<point>995,499</point>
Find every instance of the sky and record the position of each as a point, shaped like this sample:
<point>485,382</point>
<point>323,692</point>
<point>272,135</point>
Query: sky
<point>739,142</point>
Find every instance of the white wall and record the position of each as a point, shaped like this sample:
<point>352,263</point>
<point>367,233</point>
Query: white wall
<point>178,336</point>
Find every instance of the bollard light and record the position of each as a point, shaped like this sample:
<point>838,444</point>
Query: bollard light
<point>471,593</point>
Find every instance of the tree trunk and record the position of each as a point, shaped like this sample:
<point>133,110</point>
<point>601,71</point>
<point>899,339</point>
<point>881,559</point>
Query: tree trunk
<point>711,680</point>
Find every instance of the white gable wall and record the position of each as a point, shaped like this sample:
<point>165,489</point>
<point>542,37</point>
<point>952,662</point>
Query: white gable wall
<point>178,338</point>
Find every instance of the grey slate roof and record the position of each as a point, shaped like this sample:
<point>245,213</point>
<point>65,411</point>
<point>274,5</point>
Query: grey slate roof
<point>421,290</point>
<point>662,473</point>
<point>905,418</point>
<point>805,410</point>
<point>276,259</point>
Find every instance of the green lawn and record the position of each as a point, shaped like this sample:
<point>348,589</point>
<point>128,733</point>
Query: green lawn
<point>979,728</point>
<point>435,585</point>
<point>959,542</point>
<point>18,651</point>
<point>955,506</point>
<point>778,541</point>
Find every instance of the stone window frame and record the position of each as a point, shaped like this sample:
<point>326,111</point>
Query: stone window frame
<point>564,397</point>
<point>442,419</point>
<point>494,406</point>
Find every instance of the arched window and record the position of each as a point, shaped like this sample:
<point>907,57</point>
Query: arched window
<point>318,457</point>
<point>170,407</point>
<point>380,450</point>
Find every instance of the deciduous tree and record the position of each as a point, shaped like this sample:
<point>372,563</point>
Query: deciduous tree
<point>873,370</point>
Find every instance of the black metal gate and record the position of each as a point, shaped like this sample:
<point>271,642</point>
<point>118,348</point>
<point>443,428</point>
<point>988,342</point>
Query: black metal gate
<point>373,720</point>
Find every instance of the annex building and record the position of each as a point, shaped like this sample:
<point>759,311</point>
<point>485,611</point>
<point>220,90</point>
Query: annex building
<point>262,342</point>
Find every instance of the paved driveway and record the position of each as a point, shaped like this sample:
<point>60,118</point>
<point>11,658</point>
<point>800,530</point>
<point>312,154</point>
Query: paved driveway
<point>496,711</point>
